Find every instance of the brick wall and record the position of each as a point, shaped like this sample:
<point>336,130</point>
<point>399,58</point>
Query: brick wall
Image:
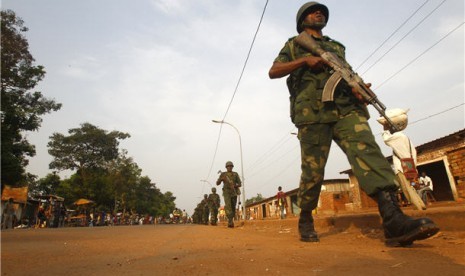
<point>456,160</point>
<point>331,202</point>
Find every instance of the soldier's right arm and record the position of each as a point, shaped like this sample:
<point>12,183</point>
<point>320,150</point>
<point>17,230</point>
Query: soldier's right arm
<point>220,179</point>
<point>281,69</point>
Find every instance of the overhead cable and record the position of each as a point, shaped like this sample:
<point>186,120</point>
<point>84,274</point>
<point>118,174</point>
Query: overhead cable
<point>408,33</point>
<point>235,89</point>
<point>384,42</point>
<point>424,52</point>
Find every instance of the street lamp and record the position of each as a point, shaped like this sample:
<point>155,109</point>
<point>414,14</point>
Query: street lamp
<point>242,165</point>
<point>203,180</point>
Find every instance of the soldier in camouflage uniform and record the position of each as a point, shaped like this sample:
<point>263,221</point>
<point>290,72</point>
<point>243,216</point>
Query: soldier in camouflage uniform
<point>205,212</point>
<point>343,120</point>
<point>214,202</point>
<point>231,184</point>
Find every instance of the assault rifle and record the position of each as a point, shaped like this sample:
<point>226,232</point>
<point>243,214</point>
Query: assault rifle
<point>342,70</point>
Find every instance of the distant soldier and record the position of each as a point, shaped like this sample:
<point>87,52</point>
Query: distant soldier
<point>231,184</point>
<point>197,216</point>
<point>214,202</point>
<point>205,211</point>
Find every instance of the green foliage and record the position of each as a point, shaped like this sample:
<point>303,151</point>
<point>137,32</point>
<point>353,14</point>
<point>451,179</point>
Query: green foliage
<point>257,198</point>
<point>45,186</point>
<point>20,110</point>
<point>86,147</point>
<point>104,173</point>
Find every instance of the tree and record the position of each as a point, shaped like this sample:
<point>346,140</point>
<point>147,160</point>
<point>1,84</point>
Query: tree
<point>254,199</point>
<point>85,148</point>
<point>45,186</point>
<point>20,110</point>
<point>88,150</point>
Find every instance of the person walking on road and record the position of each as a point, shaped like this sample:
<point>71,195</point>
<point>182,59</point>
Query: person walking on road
<point>343,119</point>
<point>281,202</point>
<point>404,155</point>
<point>231,184</point>
<point>214,202</point>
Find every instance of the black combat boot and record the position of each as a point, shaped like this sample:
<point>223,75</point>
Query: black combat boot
<point>231,223</point>
<point>306,227</point>
<point>400,229</point>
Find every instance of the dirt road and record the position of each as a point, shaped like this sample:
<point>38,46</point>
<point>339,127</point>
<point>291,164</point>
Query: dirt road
<point>261,247</point>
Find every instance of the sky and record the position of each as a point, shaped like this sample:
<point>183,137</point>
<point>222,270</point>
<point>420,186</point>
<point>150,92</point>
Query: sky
<point>162,70</point>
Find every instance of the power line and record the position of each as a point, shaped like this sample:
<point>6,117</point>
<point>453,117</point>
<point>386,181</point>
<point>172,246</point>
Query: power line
<point>279,158</point>
<point>424,52</point>
<point>236,88</point>
<point>384,42</point>
<point>408,33</point>
<point>436,114</point>
<point>272,150</point>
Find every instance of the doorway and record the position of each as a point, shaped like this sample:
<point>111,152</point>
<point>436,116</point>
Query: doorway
<point>438,172</point>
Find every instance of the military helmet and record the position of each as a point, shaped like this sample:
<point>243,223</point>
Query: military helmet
<point>229,163</point>
<point>306,9</point>
<point>398,116</point>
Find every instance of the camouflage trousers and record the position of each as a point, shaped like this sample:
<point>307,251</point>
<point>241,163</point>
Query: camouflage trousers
<point>214,213</point>
<point>205,215</point>
<point>353,135</point>
<point>230,201</point>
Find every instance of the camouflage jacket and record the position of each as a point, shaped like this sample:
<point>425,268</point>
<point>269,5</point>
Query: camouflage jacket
<point>214,201</point>
<point>306,87</point>
<point>231,182</point>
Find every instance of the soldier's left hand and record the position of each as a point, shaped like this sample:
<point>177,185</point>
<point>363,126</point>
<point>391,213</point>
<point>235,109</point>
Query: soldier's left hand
<point>359,96</point>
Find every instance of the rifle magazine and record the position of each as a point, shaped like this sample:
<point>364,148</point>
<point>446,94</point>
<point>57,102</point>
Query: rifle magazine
<point>330,87</point>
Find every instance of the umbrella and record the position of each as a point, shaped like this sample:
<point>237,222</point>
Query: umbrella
<point>83,201</point>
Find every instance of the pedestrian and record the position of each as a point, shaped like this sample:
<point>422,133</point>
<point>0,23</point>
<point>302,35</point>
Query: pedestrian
<point>231,184</point>
<point>63,214</point>
<point>343,119</point>
<point>426,185</point>
<point>404,155</point>
<point>214,203</point>
<point>41,220</point>
<point>8,214</point>
<point>281,202</point>
<point>184,216</point>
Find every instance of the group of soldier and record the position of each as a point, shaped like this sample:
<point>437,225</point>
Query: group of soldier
<point>207,210</point>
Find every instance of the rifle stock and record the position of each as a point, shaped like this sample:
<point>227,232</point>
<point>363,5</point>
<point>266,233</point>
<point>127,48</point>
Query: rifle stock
<point>342,70</point>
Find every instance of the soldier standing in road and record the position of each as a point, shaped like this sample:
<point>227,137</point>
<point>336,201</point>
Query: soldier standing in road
<point>231,184</point>
<point>214,202</point>
<point>344,119</point>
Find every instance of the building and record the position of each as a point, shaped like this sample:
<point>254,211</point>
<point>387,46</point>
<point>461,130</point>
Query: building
<point>335,197</point>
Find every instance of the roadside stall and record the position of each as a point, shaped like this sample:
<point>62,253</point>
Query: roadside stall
<point>18,198</point>
<point>80,215</point>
